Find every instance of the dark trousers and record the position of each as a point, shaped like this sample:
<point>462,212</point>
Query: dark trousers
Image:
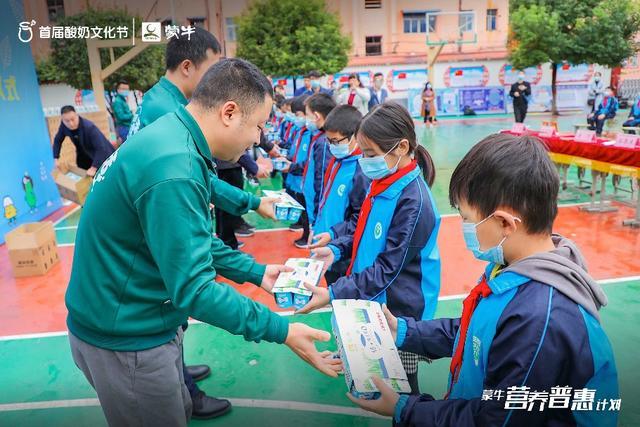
<point>304,218</point>
<point>520,111</point>
<point>225,222</point>
<point>596,124</point>
<point>188,379</point>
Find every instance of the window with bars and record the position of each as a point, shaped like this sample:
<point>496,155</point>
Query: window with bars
<point>373,45</point>
<point>465,21</point>
<point>55,9</point>
<point>492,19</point>
<point>416,22</point>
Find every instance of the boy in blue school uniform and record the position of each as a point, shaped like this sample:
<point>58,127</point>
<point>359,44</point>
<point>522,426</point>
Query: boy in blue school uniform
<point>391,244</point>
<point>634,115</point>
<point>297,157</point>
<point>530,325</point>
<point>317,109</point>
<point>605,111</point>
<point>345,185</point>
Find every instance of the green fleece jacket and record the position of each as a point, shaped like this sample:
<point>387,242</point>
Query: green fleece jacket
<point>122,111</point>
<point>145,258</point>
<point>165,97</point>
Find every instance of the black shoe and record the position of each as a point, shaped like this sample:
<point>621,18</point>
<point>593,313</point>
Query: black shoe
<point>198,372</point>
<point>244,231</point>
<point>295,227</point>
<point>302,243</point>
<point>240,245</point>
<point>247,225</point>
<point>207,407</point>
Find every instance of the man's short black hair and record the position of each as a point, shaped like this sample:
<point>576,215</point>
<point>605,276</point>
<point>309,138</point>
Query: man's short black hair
<point>195,50</point>
<point>232,79</point>
<point>313,74</point>
<point>378,74</point>
<point>343,119</point>
<point>297,105</point>
<point>509,171</point>
<point>278,86</point>
<point>120,83</point>
<point>67,109</point>
<point>321,103</point>
<point>279,99</point>
<point>287,101</point>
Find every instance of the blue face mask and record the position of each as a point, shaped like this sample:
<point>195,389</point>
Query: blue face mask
<point>299,121</point>
<point>279,114</point>
<point>376,167</point>
<point>124,93</point>
<point>289,116</point>
<point>494,254</point>
<point>311,125</point>
<point>315,83</point>
<point>339,151</point>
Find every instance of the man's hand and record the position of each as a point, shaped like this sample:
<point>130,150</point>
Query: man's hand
<point>319,299</point>
<point>266,209</point>
<point>92,171</point>
<point>288,164</point>
<point>271,275</point>
<point>325,255</point>
<point>516,94</point>
<point>319,240</point>
<point>601,117</point>
<point>301,340</point>
<point>265,167</point>
<point>392,321</point>
<point>590,116</point>
<point>262,172</point>
<point>385,405</point>
<point>275,152</point>
<point>56,163</point>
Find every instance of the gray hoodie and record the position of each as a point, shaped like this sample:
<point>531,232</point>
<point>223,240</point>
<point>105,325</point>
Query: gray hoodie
<point>565,269</point>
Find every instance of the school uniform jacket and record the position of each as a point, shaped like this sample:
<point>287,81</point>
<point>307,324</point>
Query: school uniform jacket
<point>313,175</point>
<point>298,154</point>
<point>398,262</point>
<point>345,197</point>
<point>525,333</point>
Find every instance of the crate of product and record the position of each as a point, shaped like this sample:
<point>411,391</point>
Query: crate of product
<point>286,208</point>
<point>289,289</point>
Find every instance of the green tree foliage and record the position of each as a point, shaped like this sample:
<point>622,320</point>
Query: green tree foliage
<point>69,62</point>
<point>292,37</point>
<point>575,31</point>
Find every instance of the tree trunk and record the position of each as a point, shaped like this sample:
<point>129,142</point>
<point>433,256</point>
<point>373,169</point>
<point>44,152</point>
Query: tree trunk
<point>554,92</point>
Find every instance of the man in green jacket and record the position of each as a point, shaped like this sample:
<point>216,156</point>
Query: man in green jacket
<point>186,62</point>
<point>139,275</point>
<point>121,111</point>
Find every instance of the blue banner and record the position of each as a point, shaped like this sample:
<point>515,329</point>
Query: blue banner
<point>482,100</point>
<point>27,188</point>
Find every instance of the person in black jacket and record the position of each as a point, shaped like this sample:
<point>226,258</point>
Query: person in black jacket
<point>520,90</point>
<point>92,147</point>
<point>229,226</point>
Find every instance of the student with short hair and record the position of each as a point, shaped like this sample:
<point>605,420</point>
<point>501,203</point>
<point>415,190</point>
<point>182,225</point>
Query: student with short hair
<point>531,324</point>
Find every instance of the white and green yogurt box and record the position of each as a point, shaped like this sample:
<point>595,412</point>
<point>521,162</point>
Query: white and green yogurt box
<point>287,208</point>
<point>367,348</point>
<point>289,289</point>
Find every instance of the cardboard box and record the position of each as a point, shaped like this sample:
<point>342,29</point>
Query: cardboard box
<point>289,289</point>
<point>287,209</point>
<point>32,249</point>
<point>73,185</point>
<point>367,348</point>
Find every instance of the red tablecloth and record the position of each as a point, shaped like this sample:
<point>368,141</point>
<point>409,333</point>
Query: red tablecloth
<point>592,151</point>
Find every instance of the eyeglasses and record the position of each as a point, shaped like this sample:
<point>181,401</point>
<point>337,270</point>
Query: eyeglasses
<point>336,141</point>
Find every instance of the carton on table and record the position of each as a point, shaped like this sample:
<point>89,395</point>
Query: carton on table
<point>73,184</point>
<point>289,289</point>
<point>32,249</point>
<point>287,208</point>
<point>367,348</point>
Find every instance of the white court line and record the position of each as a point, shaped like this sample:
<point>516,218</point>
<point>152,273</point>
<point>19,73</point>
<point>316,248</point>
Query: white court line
<point>284,313</point>
<point>71,227</point>
<point>240,403</point>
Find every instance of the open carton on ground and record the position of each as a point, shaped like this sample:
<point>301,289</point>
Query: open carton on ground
<point>32,249</point>
<point>73,183</point>
<point>366,348</point>
<point>289,289</point>
<point>287,208</point>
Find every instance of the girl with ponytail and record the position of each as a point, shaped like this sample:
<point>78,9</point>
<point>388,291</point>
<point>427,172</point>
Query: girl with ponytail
<point>391,245</point>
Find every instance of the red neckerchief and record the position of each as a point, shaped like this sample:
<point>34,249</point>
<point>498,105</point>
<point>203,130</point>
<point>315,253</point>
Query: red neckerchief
<point>298,143</point>
<point>330,176</point>
<point>313,141</point>
<point>605,101</point>
<point>378,186</point>
<point>469,304</point>
<point>288,131</point>
<point>352,97</point>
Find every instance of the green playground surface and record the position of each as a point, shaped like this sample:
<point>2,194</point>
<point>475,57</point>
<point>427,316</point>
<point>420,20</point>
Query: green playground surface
<point>267,383</point>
